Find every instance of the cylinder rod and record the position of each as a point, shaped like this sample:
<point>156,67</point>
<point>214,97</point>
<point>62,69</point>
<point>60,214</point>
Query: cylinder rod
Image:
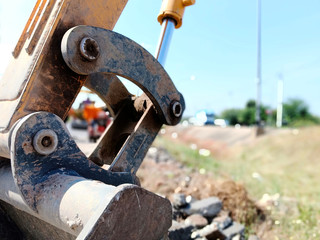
<point>168,26</point>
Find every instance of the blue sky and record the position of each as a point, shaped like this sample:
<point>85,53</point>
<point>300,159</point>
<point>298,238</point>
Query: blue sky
<point>212,57</point>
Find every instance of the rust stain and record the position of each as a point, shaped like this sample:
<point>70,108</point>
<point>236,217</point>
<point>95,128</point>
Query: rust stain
<point>27,147</point>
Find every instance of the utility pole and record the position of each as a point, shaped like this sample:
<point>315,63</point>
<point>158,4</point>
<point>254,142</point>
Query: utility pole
<point>258,101</point>
<point>280,101</point>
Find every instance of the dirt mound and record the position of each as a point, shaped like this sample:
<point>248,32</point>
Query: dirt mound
<point>160,173</point>
<point>233,195</point>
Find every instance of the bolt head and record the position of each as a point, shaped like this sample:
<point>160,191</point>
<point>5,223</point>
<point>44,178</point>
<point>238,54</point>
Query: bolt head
<point>89,49</point>
<point>45,141</point>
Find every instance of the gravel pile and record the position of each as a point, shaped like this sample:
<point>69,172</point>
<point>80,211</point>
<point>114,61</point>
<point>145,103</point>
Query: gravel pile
<point>202,219</point>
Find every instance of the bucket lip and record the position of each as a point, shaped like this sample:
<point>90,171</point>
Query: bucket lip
<point>133,213</point>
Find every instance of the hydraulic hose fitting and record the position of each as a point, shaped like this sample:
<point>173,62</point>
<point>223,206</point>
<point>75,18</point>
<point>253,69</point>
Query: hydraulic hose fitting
<point>174,9</point>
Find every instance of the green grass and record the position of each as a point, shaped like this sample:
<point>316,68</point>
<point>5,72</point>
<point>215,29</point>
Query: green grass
<point>285,164</point>
<point>187,156</point>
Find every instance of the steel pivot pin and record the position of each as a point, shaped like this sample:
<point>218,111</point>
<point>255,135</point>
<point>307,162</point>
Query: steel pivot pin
<point>176,109</point>
<point>45,141</point>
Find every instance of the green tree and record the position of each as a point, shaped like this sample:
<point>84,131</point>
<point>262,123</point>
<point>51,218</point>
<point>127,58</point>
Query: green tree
<point>294,109</point>
<point>296,113</point>
<point>231,115</point>
<point>244,116</point>
<point>248,114</point>
<point>251,104</point>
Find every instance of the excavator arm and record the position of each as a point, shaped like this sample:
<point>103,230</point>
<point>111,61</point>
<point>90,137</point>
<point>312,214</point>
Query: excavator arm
<point>50,189</point>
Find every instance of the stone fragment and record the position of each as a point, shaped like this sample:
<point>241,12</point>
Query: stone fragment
<point>177,214</point>
<point>176,225</point>
<point>210,232</point>
<point>196,220</point>
<point>233,230</point>
<point>190,199</point>
<point>236,237</point>
<point>223,221</point>
<point>253,237</point>
<point>208,207</point>
<point>179,200</point>
<point>181,233</point>
<point>216,235</point>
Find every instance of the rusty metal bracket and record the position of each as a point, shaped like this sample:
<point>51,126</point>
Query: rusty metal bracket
<point>87,50</point>
<point>135,126</point>
<point>137,145</point>
<point>37,75</point>
<point>31,167</point>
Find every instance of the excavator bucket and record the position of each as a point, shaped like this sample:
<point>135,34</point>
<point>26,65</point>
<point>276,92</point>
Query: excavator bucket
<point>49,188</point>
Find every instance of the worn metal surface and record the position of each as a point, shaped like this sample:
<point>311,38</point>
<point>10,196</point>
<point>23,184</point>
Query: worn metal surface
<point>136,146</point>
<point>110,89</point>
<point>115,135</point>
<point>56,195</point>
<point>134,213</point>
<point>126,142</point>
<point>30,168</point>
<point>37,78</point>
<point>122,56</point>
<point>135,125</point>
<point>88,209</point>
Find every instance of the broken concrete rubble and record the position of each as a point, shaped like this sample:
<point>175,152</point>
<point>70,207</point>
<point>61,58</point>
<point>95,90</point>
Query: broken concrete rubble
<point>196,220</point>
<point>223,221</point>
<point>208,207</point>
<point>202,220</point>
<point>233,230</point>
<point>179,200</point>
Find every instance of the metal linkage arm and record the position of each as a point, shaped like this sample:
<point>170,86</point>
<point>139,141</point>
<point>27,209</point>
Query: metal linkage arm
<point>88,50</point>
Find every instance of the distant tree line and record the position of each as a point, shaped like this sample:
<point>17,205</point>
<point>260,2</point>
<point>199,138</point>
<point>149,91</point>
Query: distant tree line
<point>295,114</point>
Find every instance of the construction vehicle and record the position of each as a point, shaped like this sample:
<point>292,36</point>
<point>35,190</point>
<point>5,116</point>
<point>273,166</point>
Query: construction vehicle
<point>98,125</point>
<point>49,188</point>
